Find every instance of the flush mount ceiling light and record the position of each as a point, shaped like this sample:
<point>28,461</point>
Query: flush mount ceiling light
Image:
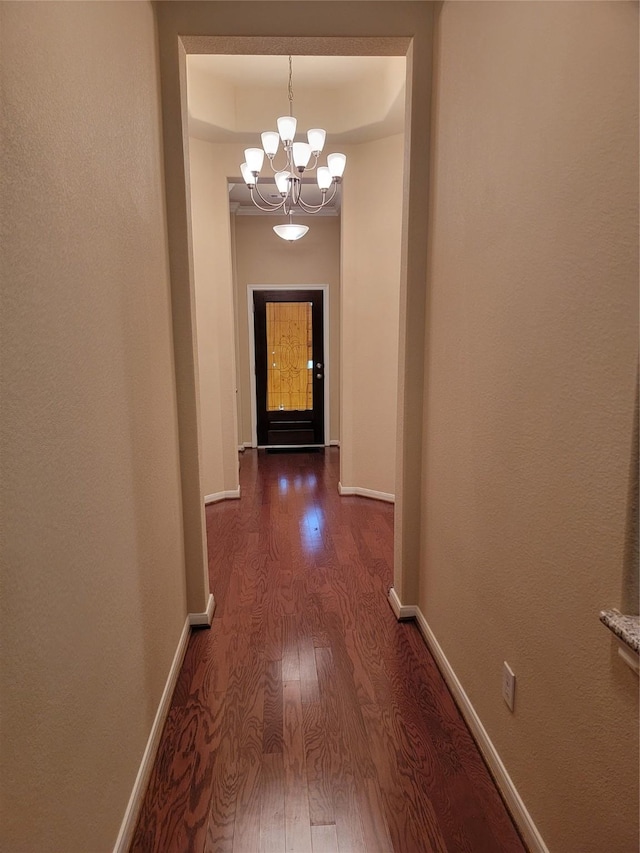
<point>301,157</point>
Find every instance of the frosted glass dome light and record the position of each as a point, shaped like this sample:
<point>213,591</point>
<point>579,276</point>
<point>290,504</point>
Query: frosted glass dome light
<point>291,231</point>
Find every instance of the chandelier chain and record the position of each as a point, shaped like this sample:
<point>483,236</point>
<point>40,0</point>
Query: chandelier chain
<point>290,87</point>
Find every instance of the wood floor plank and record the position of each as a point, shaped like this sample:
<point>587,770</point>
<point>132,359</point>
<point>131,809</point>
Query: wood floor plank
<point>290,655</point>
<point>324,839</point>
<point>344,776</point>
<point>307,719</point>
<point>317,758</point>
<point>273,708</point>
<point>296,794</point>
<point>246,835</point>
<point>272,826</point>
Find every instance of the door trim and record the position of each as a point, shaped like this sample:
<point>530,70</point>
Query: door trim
<point>251,288</point>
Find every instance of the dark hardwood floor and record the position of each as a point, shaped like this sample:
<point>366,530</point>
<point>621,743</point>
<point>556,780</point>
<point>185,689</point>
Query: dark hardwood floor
<point>307,718</point>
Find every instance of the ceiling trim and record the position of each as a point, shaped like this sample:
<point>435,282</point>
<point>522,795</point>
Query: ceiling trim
<point>245,210</point>
<point>298,45</point>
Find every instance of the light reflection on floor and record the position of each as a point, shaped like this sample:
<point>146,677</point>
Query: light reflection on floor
<point>311,528</point>
<point>312,521</point>
<point>311,481</point>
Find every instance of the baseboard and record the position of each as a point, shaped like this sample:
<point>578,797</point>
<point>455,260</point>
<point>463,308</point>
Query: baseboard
<point>222,496</point>
<point>203,620</point>
<point>366,493</point>
<point>514,802</point>
<point>402,611</point>
<point>334,442</point>
<point>128,825</point>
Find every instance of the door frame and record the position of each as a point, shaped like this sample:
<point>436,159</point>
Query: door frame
<point>251,288</point>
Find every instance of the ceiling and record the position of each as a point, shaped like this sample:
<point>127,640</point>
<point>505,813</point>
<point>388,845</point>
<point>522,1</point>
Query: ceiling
<point>233,98</point>
<point>307,70</point>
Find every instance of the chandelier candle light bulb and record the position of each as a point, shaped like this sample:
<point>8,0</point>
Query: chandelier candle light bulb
<point>270,142</point>
<point>287,129</point>
<point>247,177</point>
<point>282,182</point>
<point>300,156</point>
<point>316,137</point>
<point>254,158</point>
<point>336,164</point>
<point>324,177</point>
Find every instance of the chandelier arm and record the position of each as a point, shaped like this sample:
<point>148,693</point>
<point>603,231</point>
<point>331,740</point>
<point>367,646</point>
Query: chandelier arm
<point>270,205</point>
<point>261,197</point>
<point>314,208</point>
<point>311,208</point>
<point>287,165</point>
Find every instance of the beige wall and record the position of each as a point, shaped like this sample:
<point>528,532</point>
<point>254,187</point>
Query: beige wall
<point>93,590</point>
<point>531,368</point>
<point>263,258</point>
<point>212,266</point>
<point>371,253</point>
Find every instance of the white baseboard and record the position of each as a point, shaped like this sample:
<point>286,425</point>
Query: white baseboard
<point>222,496</point>
<point>366,493</point>
<point>203,620</point>
<point>512,798</point>
<point>402,611</point>
<point>334,442</point>
<point>128,825</point>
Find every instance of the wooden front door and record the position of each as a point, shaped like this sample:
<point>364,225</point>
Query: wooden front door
<point>289,332</point>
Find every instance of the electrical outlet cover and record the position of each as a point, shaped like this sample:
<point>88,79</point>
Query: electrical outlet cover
<point>508,685</point>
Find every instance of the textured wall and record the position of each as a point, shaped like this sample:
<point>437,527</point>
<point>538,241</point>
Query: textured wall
<point>93,598</point>
<point>371,247</point>
<point>531,368</point>
<point>263,258</point>
<point>214,315</point>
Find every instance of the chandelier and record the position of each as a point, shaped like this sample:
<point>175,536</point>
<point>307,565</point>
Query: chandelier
<point>300,157</point>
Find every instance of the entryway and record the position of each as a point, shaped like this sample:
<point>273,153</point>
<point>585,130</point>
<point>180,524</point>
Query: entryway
<point>289,387</point>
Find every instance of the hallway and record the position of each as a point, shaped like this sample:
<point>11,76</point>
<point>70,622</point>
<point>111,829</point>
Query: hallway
<point>308,718</point>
